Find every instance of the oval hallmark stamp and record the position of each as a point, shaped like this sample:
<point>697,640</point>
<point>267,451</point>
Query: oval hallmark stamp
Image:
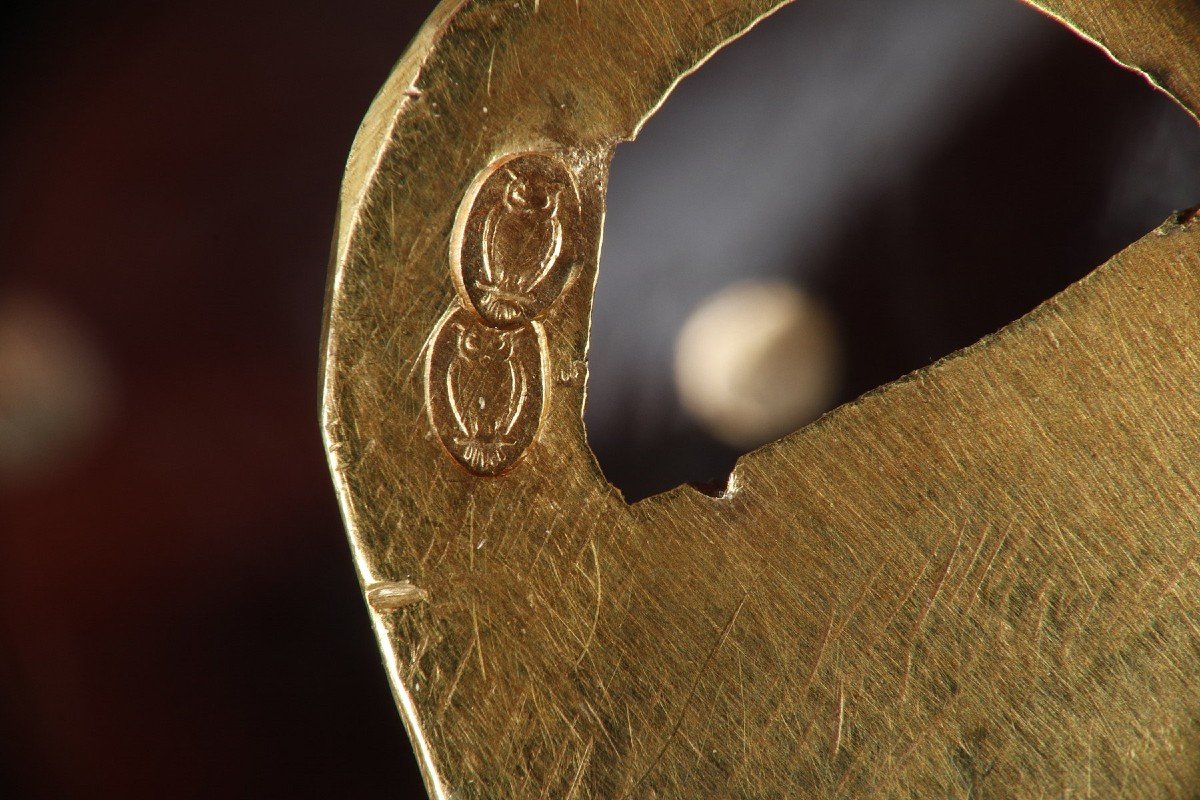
<point>514,248</point>
<point>485,391</point>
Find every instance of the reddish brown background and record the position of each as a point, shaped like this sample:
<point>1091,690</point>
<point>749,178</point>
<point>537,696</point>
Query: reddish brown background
<point>178,611</point>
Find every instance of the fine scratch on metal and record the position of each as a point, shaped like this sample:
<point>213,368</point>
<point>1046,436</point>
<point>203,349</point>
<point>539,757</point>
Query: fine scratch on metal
<point>839,721</point>
<point>924,614</point>
<point>599,603</point>
<point>674,730</point>
<point>491,68</point>
<point>577,781</point>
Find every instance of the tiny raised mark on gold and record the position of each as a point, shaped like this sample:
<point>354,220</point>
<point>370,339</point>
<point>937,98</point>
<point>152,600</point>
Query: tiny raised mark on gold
<point>574,374</point>
<point>395,596</point>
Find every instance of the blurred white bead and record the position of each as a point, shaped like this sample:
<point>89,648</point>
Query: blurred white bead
<point>756,361</point>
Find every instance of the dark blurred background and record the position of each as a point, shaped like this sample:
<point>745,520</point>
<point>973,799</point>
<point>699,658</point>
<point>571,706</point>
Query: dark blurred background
<point>179,615</point>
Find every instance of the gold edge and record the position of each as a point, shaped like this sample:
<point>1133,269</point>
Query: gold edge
<point>754,23</point>
<point>408,712</point>
<point>1078,29</point>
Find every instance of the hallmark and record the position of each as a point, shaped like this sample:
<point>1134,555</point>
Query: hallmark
<point>485,391</point>
<point>513,250</point>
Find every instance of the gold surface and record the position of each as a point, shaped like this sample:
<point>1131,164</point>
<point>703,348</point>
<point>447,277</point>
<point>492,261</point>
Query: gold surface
<point>977,582</point>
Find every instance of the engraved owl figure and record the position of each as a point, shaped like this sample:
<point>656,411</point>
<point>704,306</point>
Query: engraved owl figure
<point>521,243</point>
<point>486,388</point>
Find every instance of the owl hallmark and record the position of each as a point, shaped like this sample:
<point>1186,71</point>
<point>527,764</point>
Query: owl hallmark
<point>485,391</point>
<point>513,250</point>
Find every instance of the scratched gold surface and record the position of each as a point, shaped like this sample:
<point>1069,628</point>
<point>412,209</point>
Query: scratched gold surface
<point>978,582</point>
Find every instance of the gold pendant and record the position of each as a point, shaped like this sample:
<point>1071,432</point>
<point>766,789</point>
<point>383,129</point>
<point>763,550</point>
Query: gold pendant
<point>980,581</point>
